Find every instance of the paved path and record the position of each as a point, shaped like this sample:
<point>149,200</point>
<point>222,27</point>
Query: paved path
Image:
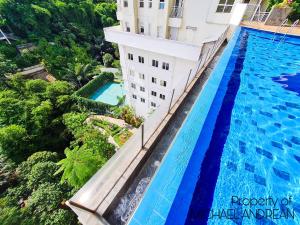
<point>110,69</point>
<point>261,26</point>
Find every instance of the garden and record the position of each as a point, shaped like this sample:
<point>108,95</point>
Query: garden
<point>119,134</point>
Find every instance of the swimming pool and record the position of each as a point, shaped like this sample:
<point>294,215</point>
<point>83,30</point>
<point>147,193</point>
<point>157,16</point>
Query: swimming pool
<point>108,93</point>
<point>241,141</point>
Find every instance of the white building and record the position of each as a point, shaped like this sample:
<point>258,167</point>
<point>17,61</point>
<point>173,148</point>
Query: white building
<point>160,43</point>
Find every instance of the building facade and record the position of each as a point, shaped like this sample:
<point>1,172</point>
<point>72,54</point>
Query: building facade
<point>160,43</point>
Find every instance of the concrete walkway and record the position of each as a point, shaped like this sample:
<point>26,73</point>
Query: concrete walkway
<point>110,69</point>
<point>261,26</point>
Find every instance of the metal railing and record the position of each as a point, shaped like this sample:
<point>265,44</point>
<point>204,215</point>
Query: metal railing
<point>281,27</point>
<point>177,12</point>
<point>253,13</point>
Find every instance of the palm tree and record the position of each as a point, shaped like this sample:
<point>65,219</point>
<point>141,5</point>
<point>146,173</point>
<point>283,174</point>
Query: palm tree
<point>80,73</point>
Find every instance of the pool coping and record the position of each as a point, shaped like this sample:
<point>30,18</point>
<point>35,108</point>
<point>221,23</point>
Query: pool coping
<point>206,97</point>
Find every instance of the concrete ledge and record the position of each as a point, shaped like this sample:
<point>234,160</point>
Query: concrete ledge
<point>158,45</point>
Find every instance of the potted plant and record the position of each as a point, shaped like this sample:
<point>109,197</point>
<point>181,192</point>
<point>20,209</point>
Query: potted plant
<point>279,13</point>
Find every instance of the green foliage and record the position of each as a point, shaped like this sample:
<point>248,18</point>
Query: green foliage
<point>7,67</point>
<point>37,157</point>
<point>7,173</point>
<point>81,97</point>
<point>90,150</point>
<point>282,3</point>
<point>74,122</point>
<point>38,193</point>
<point>116,64</point>
<point>42,172</point>
<point>36,106</point>
<point>87,90</point>
<point>66,32</point>
<point>13,141</point>
<point>127,113</point>
<point>79,165</point>
<point>107,13</point>
<point>107,59</point>
<point>36,86</point>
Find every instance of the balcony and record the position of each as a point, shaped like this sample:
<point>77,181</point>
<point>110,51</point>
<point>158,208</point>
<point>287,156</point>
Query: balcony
<point>158,45</point>
<point>175,19</point>
<point>177,12</point>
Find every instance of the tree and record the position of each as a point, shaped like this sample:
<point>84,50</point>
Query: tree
<point>43,201</point>
<point>36,86</point>
<point>42,172</point>
<point>79,165</point>
<point>108,59</point>
<point>13,142</point>
<point>80,74</point>
<point>7,67</point>
<point>38,157</point>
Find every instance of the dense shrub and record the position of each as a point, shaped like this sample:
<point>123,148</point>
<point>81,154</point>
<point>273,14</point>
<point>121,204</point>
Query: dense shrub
<point>107,59</point>
<point>88,89</point>
<point>81,97</point>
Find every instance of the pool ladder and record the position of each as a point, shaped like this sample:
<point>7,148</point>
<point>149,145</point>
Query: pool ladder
<point>279,29</point>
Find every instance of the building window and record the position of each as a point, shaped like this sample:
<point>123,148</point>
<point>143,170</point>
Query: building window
<point>154,63</point>
<point>225,6</point>
<point>134,97</point>
<point>141,3</point>
<point>142,89</point>
<point>127,27</point>
<point>163,97</point>
<point>153,104</point>
<point>125,4</point>
<point>142,76</point>
<point>131,72</point>
<point>154,80</point>
<point>130,56</point>
<point>143,100</point>
<point>163,83</point>
<point>159,32</point>
<point>133,85</point>
<point>150,4</point>
<point>161,4</point>
<point>141,59</point>
<point>142,29</point>
<point>165,66</point>
<point>153,93</point>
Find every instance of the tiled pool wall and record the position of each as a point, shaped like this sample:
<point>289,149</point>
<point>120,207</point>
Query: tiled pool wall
<point>203,172</point>
<point>156,205</point>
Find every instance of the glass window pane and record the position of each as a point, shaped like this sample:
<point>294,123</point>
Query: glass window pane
<point>220,8</point>
<point>222,2</point>
<point>230,2</point>
<point>227,9</point>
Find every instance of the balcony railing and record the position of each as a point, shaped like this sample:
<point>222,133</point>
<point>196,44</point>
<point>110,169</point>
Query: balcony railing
<point>177,12</point>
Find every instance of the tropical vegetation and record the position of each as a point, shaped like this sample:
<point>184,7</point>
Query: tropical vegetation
<point>47,150</point>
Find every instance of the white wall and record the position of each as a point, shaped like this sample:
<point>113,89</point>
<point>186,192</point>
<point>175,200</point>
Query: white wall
<point>177,73</point>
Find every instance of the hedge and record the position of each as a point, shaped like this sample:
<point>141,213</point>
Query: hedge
<point>81,97</point>
<point>88,89</point>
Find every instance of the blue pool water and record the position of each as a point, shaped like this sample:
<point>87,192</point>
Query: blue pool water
<point>108,93</point>
<point>241,140</point>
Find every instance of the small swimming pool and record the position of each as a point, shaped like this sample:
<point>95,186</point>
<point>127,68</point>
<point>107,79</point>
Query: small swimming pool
<point>109,93</point>
<point>240,143</point>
